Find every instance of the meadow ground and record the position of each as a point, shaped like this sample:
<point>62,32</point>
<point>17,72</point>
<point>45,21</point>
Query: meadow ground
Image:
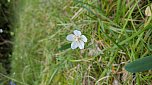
<point>115,29</point>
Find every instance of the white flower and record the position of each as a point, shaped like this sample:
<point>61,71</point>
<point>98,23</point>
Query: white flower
<point>77,39</point>
<point>1,30</point>
<point>148,10</point>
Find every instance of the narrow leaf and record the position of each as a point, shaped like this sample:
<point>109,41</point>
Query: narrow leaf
<point>64,47</point>
<point>140,65</point>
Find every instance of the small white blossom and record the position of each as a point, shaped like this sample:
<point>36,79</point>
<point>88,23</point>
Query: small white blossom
<point>1,30</point>
<point>77,39</point>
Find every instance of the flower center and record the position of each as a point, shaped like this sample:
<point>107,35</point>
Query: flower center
<point>77,38</point>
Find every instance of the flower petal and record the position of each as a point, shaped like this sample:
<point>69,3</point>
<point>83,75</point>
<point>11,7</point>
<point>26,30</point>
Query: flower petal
<point>70,37</point>
<point>77,33</point>
<point>1,30</point>
<point>81,44</point>
<point>84,38</point>
<point>74,45</point>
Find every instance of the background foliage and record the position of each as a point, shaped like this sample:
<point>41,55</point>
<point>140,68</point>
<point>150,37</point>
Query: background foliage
<point>117,34</point>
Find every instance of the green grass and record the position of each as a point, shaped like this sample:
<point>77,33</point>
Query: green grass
<point>118,28</point>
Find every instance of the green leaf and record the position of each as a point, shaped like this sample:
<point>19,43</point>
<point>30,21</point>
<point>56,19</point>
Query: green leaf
<point>140,65</point>
<point>64,47</point>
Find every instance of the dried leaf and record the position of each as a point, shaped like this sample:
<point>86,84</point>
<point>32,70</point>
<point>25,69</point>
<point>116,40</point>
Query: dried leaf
<point>148,10</point>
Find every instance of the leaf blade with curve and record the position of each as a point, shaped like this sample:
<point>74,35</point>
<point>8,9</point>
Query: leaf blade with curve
<point>140,65</point>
